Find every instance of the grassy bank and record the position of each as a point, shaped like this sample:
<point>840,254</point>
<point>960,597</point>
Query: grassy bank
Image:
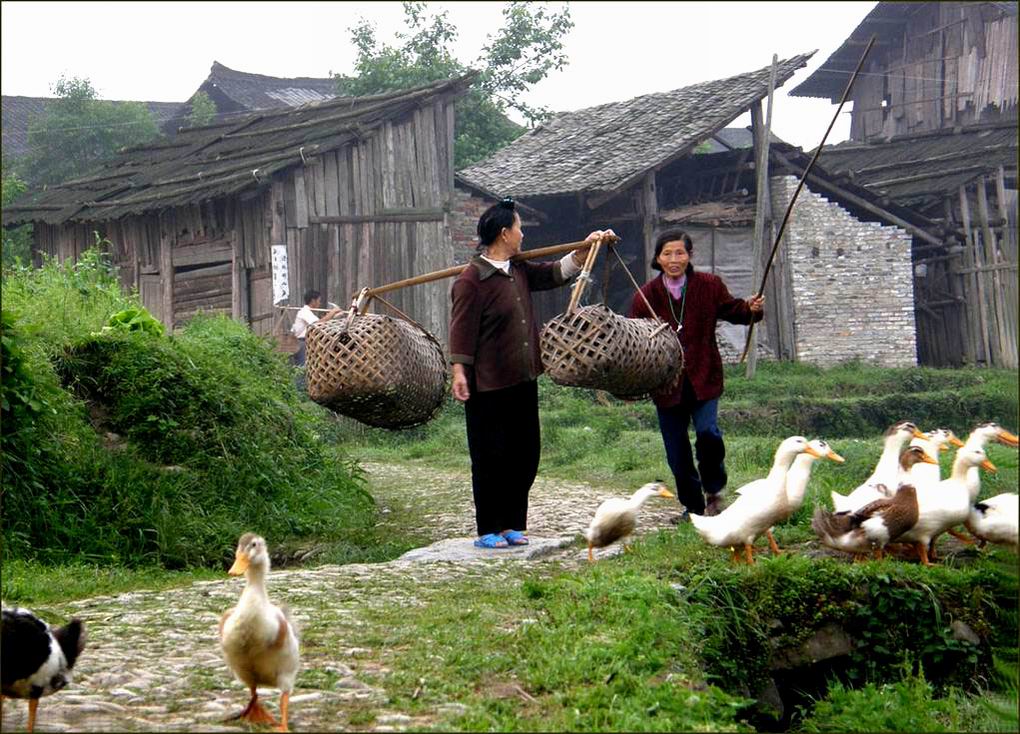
<point>124,446</point>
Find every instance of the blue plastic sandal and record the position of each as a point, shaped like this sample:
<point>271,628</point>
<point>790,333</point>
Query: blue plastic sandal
<point>492,540</point>
<point>515,537</point>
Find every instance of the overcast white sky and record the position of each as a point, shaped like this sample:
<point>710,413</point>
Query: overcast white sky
<point>162,51</point>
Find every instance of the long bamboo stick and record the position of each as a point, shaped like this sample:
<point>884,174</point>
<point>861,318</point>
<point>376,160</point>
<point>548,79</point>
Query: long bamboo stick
<point>800,185</point>
<point>458,269</point>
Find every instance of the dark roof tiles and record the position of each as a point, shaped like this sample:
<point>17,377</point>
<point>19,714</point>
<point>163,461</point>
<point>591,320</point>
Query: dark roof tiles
<point>605,147</point>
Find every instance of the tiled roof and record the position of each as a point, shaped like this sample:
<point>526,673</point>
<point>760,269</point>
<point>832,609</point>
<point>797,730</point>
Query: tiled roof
<point>259,92</point>
<point>19,112</point>
<point>203,163</point>
<point>921,169</point>
<point>607,147</point>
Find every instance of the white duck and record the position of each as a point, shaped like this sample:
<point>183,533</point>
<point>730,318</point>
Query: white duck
<point>994,520</point>
<point>886,473</point>
<point>258,639</point>
<point>36,660</point>
<point>946,504</point>
<point>933,444</point>
<point>616,518</point>
<point>753,512</point>
<point>979,438</point>
<point>870,528</point>
<point>796,483</point>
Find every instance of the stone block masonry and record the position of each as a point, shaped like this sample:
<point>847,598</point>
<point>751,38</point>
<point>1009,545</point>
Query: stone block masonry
<point>853,289</point>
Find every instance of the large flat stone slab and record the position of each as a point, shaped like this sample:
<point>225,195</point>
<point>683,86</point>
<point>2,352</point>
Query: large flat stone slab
<point>463,549</point>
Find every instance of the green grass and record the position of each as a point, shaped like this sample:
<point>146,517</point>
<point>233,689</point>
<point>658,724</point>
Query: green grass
<point>31,584</point>
<point>124,446</point>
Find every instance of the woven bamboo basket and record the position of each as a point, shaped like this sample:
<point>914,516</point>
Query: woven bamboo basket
<point>379,370</point>
<point>596,348</point>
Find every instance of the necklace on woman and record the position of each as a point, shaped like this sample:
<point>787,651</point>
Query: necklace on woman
<point>683,303</point>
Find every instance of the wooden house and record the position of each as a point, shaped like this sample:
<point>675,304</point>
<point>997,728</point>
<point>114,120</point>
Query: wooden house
<point>354,191</point>
<point>934,129</point>
<point>641,165</point>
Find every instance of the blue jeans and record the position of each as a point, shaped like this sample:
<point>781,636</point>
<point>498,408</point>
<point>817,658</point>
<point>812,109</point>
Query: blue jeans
<point>710,476</point>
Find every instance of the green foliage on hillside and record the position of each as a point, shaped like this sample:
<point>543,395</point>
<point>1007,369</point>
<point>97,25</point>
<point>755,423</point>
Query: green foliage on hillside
<point>123,445</point>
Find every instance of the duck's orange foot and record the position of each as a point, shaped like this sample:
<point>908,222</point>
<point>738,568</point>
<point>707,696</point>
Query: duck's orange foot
<point>254,713</point>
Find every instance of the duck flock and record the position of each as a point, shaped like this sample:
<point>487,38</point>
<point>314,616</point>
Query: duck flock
<point>904,501</point>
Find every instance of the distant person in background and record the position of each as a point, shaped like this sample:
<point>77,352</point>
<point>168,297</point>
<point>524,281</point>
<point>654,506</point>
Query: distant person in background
<point>691,302</point>
<point>305,318</point>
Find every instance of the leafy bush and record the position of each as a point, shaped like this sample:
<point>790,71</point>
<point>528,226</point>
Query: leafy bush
<point>122,445</point>
<point>906,705</point>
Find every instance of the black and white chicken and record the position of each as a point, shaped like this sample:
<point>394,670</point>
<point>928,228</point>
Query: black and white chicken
<point>36,660</point>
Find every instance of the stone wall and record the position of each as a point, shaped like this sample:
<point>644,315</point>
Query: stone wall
<point>463,222</point>
<point>853,289</point>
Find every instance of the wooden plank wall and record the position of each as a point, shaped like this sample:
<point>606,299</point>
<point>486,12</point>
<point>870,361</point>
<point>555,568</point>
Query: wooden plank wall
<point>368,214</point>
<point>967,300</point>
<point>954,61</point>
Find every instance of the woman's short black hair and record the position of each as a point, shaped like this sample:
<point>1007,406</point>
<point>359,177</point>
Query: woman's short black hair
<point>494,219</point>
<point>310,295</point>
<point>671,235</point>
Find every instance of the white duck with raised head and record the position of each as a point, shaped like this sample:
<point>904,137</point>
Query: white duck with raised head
<point>945,504</point>
<point>796,483</point>
<point>886,475</point>
<point>753,512</point>
<point>259,640</point>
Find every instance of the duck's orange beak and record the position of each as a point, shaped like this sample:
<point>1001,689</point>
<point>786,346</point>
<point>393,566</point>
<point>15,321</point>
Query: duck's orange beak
<point>1010,439</point>
<point>665,492</point>
<point>241,563</point>
<point>811,451</point>
<point>928,460</point>
<point>919,434</point>
<point>956,442</point>
<point>832,455</point>
<point>986,464</point>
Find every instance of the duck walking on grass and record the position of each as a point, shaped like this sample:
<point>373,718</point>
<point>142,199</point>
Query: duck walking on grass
<point>753,512</point>
<point>796,484</point>
<point>945,504</point>
<point>35,659</point>
<point>870,528</point>
<point>258,639</point>
<point>887,472</point>
<point>995,520</point>
<point>616,518</point>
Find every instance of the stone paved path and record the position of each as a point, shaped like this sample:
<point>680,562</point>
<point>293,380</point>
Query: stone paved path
<point>153,661</point>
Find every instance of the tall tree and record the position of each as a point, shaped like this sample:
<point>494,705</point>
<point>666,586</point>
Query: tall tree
<point>203,110</point>
<point>77,130</point>
<point>527,45</point>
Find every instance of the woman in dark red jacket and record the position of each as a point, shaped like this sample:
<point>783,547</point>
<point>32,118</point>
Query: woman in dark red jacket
<point>692,302</point>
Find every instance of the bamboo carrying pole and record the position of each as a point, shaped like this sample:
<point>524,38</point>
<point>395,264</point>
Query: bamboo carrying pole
<point>800,185</point>
<point>458,269</point>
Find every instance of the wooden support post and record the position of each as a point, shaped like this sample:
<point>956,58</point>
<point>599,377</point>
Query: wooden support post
<point>977,289</point>
<point>1009,258</point>
<point>167,235</point>
<point>993,280</point>
<point>650,217</point>
<point>965,316</point>
<point>762,205</point>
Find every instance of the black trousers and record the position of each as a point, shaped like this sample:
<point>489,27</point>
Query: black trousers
<point>505,444</point>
